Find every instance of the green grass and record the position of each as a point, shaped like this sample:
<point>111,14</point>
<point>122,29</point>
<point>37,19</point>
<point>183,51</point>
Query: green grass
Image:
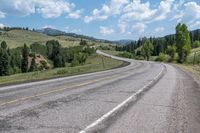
<point>16,38</point>
<point>93,64</point>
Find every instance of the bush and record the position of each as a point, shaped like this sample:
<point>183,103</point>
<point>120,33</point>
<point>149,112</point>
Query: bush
<point>75,62</point>
<point>62,72</point>
<point>126,55</point>
<point>196,44</point>
<point>162,57</point>
<point>139,58</point>
<point>38,48</point>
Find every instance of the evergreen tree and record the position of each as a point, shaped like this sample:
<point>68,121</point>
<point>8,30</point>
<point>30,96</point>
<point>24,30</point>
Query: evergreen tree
<point>3,45</point>
<point>33,66</point>
<point>54,53</point>
<point>4,62</point>
<point>83,42</point>
<point>25,55</point>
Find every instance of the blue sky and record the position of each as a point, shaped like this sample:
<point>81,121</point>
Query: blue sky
<point>106,19</point>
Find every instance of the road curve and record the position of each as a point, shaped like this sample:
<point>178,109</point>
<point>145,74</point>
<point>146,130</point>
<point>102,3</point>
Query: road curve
<point>160,99</point>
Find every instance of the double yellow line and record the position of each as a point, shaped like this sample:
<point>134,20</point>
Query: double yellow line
<point>60,89</point>
<point>53,91</point>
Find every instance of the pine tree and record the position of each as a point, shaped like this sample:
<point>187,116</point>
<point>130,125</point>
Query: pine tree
<point>4,62</point>
<point>33,66</point>
<point>25,55</point>
<point>3,45</point>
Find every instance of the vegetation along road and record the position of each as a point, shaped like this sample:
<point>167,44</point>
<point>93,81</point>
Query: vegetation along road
<point>141,97</point>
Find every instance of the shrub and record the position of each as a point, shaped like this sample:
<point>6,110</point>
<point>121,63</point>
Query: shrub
<point>162,57</point>
<point>126,55</point>
<point>196,44</point>
<point>62,72</point>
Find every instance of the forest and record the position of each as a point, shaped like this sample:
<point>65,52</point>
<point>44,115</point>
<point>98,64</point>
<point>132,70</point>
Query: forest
<point>177,46</point>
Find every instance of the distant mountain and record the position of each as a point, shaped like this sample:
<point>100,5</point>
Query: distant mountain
<point>50,32</point>
<point>123,42</point>
<point>55,32</point>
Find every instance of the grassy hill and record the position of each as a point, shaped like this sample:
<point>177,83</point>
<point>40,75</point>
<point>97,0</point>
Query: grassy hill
<point>16,38</point>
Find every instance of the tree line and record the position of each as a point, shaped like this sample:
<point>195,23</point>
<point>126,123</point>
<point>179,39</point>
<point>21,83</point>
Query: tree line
<point>180,44</point>
<point>23,59</point>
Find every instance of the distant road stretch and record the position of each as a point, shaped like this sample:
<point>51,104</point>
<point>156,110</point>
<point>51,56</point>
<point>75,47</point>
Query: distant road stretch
<point>143,97</point>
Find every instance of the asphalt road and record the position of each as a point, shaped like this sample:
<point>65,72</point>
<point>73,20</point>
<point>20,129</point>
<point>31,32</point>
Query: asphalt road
<point>139,98</point>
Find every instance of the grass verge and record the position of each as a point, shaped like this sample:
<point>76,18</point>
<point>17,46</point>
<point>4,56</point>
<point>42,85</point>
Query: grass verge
<point>111,52</point>
<point>93,64</point>
<point>194,69</point>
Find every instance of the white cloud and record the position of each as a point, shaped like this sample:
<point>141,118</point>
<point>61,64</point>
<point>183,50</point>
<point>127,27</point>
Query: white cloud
<point>192,9</point>
<point>48,9</point>
<point>137,14</point>
<point>137,11</point>
<point>2,15</point>
<point>140,27</point>
<point>122,27</point>
<point>159,29</point>
<point>98,14</point>
<point>106,30</point>
<point>2,25</point>
<point>195,24</point>
<point>113,8</point>
<point>187,12</point>
<point>191,14</point>
<point>76,14</point>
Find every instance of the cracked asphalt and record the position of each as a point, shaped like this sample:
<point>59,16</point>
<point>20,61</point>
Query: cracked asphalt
<point>69,105</point>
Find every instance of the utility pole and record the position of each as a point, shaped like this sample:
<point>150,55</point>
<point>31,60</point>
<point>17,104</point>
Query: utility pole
<point>103,62</point>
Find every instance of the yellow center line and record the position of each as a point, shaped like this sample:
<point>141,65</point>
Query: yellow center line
<point>53,91</point>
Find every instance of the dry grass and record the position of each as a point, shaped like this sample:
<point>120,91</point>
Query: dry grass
<point>16,38</point>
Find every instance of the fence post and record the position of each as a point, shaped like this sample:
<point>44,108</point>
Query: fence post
<point>194,58</point>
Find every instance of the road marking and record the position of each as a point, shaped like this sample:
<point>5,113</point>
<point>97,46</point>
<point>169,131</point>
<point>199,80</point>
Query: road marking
<point>61,89</point>
<point>123,104</point>
<point>53,91</point>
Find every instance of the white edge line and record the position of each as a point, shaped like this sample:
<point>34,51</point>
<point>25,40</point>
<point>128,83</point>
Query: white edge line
<point>121,105</point>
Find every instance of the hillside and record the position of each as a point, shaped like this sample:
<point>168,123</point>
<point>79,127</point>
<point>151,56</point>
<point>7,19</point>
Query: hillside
<point>18,37</point>
<point>55,32</point>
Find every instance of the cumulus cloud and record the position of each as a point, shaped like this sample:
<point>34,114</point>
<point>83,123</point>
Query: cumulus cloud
<point>134,12</point>
<point>2,25</point>
<point>140,27</point>
<point>122,27</point>
<point>107,10</point>
<point>101,14</point>
<point>138,11</point>
<point>48,9</point>
<point>195,24</point>
<point>75,15</point>
<point>106,30</point>
<point>187,12</point>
